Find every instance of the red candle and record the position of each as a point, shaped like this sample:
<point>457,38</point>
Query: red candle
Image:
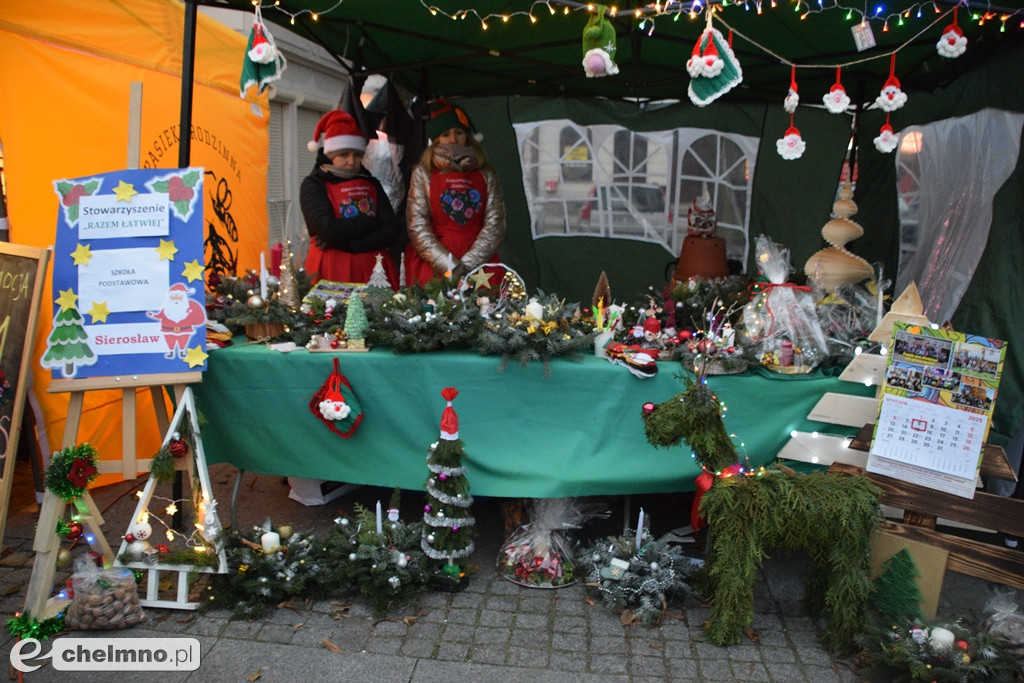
<point>276,253</point>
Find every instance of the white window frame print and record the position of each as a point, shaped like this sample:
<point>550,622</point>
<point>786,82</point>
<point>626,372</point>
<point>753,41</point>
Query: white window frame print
<point>556,205</point>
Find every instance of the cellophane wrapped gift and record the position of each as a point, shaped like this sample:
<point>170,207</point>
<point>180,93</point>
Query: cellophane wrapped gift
<point>538,554</point>
<point>104,599</point>
<point>780,321</point>
<point>1005,621</point>
<point>848,316</point>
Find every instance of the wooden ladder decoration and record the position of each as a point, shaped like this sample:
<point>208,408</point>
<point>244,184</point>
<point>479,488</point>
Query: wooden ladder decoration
<point>191,462</point>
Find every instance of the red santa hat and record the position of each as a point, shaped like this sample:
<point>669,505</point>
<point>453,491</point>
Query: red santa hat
<point>892,82</point>
<point>449,420</point>
<point>652,324</point>
<point>337,130</point>
<point>180,288</point>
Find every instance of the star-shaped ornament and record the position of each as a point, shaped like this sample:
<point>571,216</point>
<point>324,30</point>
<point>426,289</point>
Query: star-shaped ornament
<point>82,254</point>
<point>481,279</point>
<point>196,356</point>
<point>124,191</point>
<point>193,270</point>
<point>99,311</point>
<point>166,250</point>
<point>67,299</point>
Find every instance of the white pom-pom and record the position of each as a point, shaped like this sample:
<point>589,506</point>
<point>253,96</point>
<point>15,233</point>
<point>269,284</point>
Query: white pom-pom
<point>312,145</point>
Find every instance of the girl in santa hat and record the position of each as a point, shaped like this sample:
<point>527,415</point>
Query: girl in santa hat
<point>454,210</point>
<point>347,212</point>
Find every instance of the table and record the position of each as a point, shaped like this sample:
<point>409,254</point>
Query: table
<point>575,431</point>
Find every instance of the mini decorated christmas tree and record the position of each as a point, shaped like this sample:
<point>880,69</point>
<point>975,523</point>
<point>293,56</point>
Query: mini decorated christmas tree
<point>448,523</point>
<point>355,322</point>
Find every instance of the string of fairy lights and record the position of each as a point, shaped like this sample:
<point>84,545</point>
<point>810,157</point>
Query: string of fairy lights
<point>868,11</point>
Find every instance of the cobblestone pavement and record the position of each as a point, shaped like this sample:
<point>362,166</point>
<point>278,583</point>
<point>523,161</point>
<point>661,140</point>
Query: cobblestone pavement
<point>493,630</point>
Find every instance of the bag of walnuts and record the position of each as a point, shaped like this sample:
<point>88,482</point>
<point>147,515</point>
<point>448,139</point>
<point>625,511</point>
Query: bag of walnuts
<point>104,599</point>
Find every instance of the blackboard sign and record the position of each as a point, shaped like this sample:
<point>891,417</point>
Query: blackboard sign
<point>22,274</point>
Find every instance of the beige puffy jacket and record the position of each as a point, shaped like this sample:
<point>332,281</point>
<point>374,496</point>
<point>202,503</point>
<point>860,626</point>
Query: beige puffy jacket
<point>421,227</point>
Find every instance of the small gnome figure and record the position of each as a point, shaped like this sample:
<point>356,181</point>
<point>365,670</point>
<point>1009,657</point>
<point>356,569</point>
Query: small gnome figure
<point>703,255</point>
<point>599,45</point>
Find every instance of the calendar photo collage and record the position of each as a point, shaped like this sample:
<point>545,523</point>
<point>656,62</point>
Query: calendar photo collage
<point>936,407</point>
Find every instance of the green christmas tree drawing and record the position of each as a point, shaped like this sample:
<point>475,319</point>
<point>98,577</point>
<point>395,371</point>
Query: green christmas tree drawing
<point>448,523</point>
<point>67,347</point>
<point>895,595</point>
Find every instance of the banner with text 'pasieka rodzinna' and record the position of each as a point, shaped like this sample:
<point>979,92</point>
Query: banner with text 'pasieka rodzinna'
<point>128,275</point>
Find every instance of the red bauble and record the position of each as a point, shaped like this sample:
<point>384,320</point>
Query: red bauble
<point>74,531</point>
<point>334,343</point>
<point>962,644</point>
<point>649,408</point>
<point>178,448</point>
<point>162,548</point>
<point>129,538</point>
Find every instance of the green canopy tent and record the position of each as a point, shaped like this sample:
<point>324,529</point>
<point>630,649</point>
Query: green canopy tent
<point>515,61</point>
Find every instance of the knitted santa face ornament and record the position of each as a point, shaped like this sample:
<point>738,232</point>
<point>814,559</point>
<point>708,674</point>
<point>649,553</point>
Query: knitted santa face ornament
<point>336,406</point>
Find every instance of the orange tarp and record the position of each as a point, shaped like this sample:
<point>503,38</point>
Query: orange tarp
<point>65,80</point>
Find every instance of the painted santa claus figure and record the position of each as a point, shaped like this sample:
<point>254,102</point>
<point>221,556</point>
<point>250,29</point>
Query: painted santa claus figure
<point>179,318</point>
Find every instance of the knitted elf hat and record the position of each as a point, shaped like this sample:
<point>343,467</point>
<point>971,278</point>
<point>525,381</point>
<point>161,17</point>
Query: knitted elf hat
<point>449,420</point>
<point>599,45</point>
<point>445,116</point>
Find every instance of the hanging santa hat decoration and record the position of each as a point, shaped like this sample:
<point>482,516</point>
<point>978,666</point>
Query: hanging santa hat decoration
<point>892,97</point>
<point>953,42</point>
<point>263,62</point>
<point>792,97</point>
<point>713,67</point>
<point>599,45</point>
<point>836,100</point>
<point>791,146</point>
<point>449,420</point>
<point>887,140</point>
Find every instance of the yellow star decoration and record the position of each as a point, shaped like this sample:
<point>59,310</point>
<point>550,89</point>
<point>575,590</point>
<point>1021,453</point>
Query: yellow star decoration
<point>196,356</point>
<point>166,250</point>
<point>193,271</point>
<point>125,191</point>
<point>82,254</point>
<point>66,299</point>
<point>99,311</point>
<point>481,279</point>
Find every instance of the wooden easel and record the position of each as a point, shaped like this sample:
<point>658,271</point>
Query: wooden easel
<point>47,543</point>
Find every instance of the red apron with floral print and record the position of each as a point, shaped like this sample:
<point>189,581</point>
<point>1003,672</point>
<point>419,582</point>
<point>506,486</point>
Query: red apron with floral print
<point>349,199</point>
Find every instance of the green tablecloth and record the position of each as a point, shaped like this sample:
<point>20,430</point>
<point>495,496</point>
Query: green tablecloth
<point>575,432</point>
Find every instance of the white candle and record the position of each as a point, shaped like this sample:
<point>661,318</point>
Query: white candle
<point>270,541</point>
<point>878,290</point>
<point>941,638</point>
<point>263,276</point>
<point>380,525</point>
<point>640,529</point>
